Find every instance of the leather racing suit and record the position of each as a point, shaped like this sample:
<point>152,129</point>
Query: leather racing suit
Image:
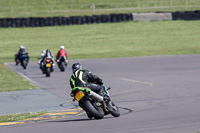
<point>84,78</point>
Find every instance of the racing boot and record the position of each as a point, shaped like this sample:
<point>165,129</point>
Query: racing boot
<point>104,94</point>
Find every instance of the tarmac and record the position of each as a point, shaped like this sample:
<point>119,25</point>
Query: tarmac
<point>31,101</point>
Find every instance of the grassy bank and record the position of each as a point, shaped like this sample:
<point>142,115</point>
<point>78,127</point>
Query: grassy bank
<point>10,81</point>
<point>105,40</point>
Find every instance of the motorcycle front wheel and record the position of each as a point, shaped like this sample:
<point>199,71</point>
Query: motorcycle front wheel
<point>114,110</point>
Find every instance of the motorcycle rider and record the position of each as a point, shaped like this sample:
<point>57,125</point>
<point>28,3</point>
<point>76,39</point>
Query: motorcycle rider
<point>62,53</point>
<point>84,78</point>
<point>41,57</point>
<point>22,51</point>
<point>49,55</point>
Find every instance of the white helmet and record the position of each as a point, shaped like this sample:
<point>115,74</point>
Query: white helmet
<point>43,51</point>
<point>62,47</point>
<point>22,47</point>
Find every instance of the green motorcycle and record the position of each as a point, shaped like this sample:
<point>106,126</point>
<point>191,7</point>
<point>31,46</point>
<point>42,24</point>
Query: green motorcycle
<point>94,104</point>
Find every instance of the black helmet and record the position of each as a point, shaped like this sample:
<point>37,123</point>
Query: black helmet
<point>76,66</point>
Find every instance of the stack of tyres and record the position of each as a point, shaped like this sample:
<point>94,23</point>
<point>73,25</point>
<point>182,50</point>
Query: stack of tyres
<point>186,15</point>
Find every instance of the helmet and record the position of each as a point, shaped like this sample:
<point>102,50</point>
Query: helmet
<point>76,66</point>
<point>47,50</point>
<point>43,51</point>
<point>62,47</point>
<point>22,47</point>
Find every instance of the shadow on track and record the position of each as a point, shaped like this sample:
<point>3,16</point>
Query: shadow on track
<point>124,112</point>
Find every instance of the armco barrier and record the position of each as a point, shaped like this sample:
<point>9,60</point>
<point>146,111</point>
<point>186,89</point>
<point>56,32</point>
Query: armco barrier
<point>74,20</point>
<point>56,21</point>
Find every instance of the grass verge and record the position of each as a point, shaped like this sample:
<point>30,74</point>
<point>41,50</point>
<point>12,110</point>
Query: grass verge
<point>104,40</point>
<point>10,81</point>
<point>17,117</point>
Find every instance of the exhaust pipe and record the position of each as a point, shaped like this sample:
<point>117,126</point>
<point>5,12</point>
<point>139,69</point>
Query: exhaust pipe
<point>99,99</point>
<point>95,96</point>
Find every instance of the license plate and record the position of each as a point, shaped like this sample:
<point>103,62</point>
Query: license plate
<point>79,96</point>
<point>48,65</point>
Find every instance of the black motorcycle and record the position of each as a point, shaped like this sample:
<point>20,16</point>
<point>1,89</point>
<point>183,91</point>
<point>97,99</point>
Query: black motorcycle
<point>47,66</point>
<point>62,63</point>
<point>93,104</point>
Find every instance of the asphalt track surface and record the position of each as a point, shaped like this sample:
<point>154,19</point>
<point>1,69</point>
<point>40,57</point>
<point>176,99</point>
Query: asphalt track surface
<point>159,94</point>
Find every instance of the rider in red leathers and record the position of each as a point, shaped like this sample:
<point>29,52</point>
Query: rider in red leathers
<point>62,53</point>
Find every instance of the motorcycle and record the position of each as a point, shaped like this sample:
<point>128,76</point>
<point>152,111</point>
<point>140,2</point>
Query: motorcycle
<point>23,60</point>
<point>62,63</point>
<point>47,66</point>
<point>94,104</point>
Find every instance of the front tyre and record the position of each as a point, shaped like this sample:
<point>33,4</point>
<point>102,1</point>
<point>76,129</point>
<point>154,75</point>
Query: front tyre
<point>89,108</point>
<point>114,110</point>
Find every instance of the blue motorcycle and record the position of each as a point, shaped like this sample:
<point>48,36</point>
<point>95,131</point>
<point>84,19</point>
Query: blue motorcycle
<point>24,59</point>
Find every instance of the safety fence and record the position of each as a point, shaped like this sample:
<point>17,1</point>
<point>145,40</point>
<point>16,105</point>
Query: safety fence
<point>68,9</point>
<point>74,20</point>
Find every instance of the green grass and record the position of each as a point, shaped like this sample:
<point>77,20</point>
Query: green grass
<point>43,8</point>
<point>105,40</point>
<point>17,117</point>
<point>10,81</point>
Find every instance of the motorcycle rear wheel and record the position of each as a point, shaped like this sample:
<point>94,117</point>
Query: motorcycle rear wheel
<point>48,72</point>
<point>24,64</point>
<point>89,108</point>
<point>62,66</point>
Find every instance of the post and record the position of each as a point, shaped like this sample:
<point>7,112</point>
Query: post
<point>51,9</point>
<point>171,3</point>
<point>138,4</point>
<point>93,8</point>
<point>161,4</point>
<point>11,10</point>
<point>31,10</point>
<point>186,4</point>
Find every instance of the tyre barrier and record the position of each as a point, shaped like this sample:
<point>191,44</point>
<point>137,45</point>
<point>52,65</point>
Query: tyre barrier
<point>78,20</point>
<point>187,15</point>
<point>58,21</point>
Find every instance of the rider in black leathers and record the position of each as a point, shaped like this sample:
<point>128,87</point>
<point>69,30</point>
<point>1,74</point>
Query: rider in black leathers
<point>48,54</point>
<point>22,51</point>
<point>84,78</point>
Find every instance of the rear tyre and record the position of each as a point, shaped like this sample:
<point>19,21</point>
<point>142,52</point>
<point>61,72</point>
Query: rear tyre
<point>89,108</point>
<point>24,64</point>
<point>62,66</point>
<point>48,72</point>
